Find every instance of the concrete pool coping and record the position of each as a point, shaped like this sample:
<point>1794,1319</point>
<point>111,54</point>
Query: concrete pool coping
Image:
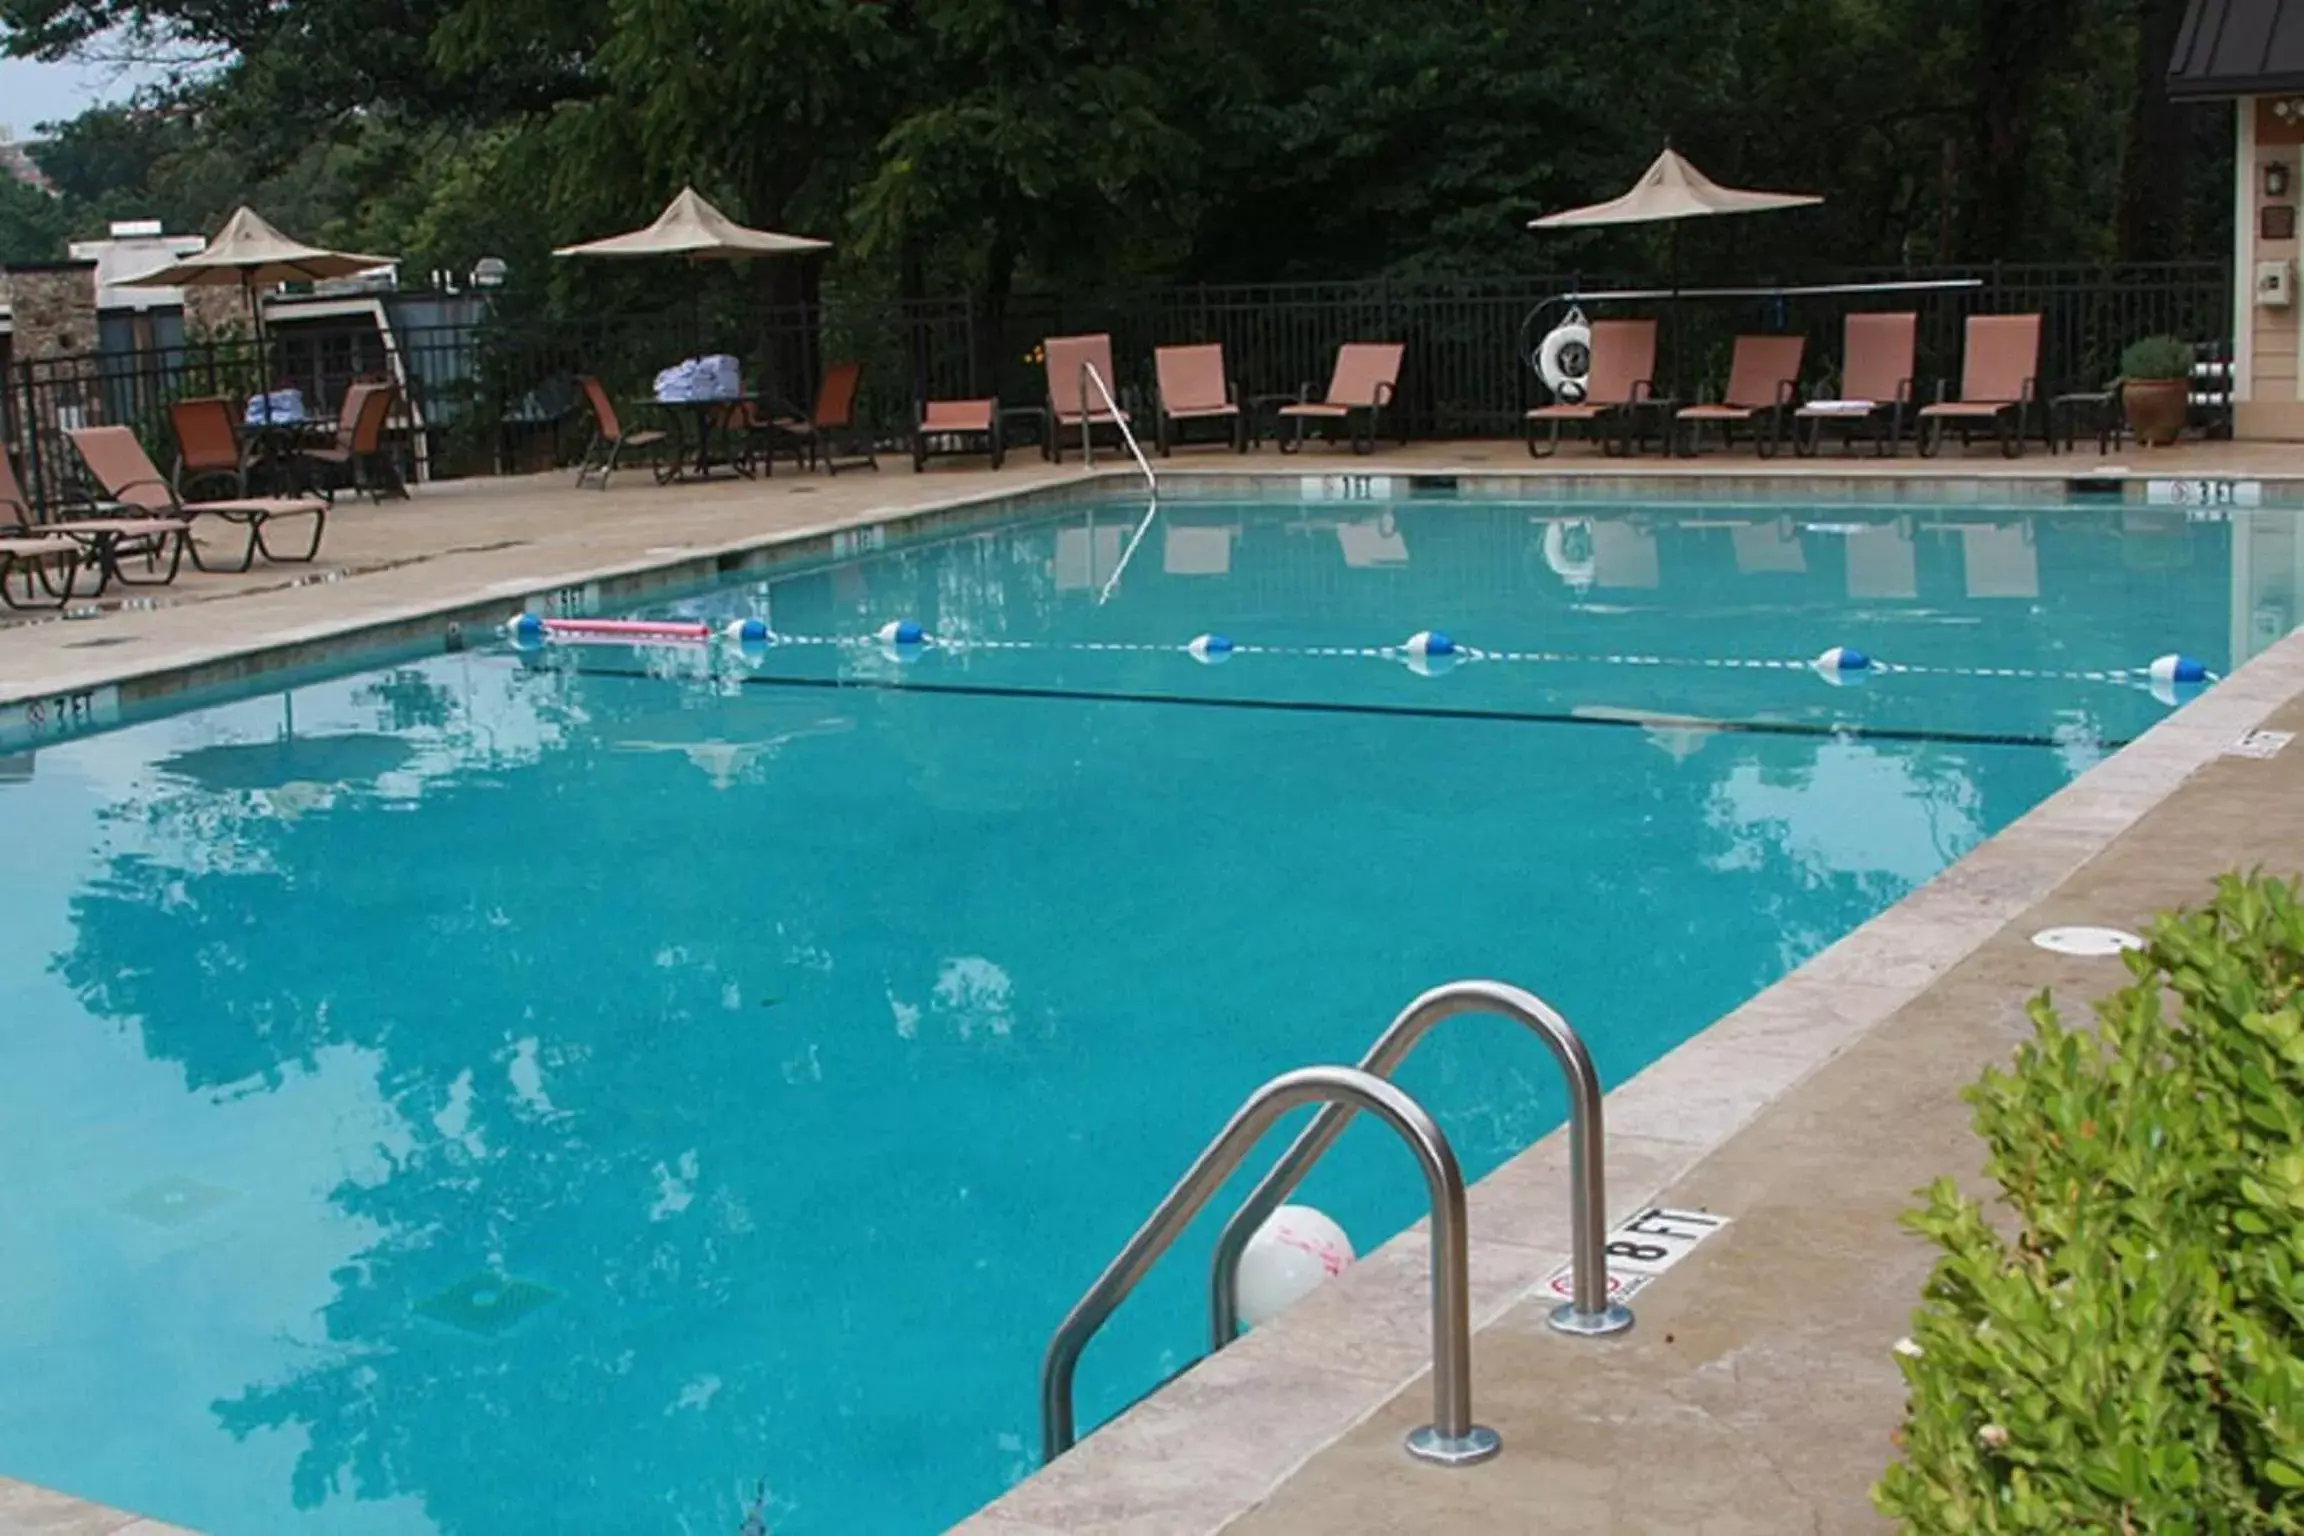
<point>1210,1447</point>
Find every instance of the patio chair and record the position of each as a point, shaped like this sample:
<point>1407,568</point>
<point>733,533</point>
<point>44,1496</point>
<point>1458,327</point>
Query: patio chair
<point>208,445</point>
<point>1763,382</point>
<point>1876,352</point>
<point>610,442</point>
<point>816,438</point>
<point>125,473</point>
<point>1366,376</point>
<point>98,543</point>
<point>956,427</point>
<point>1195,387</point>
<point>1619,385</point>
<point>1999,385</point>
<point>358,459</point>
<point>1074,404</point>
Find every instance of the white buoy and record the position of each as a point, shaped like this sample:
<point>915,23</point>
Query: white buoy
<point>1295,1249</point>
<point>1842,665</point>
<point>901,632</point>
<point>1215,650</point>
<point>2173,668</point>
<point>1429,652</point>
<point>749,632</point>
<point>526,631</point>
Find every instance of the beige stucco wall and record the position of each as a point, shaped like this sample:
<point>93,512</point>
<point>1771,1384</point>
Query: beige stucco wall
<point>2270,402</point>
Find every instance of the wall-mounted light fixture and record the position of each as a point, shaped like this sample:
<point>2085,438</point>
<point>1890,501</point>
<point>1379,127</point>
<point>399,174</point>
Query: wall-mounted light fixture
<point>2276,179</point>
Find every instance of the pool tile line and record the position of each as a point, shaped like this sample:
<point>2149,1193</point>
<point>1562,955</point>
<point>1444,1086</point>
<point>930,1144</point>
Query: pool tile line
<point>1676,1113</point>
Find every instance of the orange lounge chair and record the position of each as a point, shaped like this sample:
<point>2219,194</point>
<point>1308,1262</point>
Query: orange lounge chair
<point>1999,384</point>
<point>610,442</point>
<point>1073,402</point>
<point>80,544</point>
<point>357,459</point>
<point>1195,387</point>
<point>1876,354</point>
<point>208,445</point>
<point>814,438</point>
<point>956,427</point>
<point>1619,384</point>
<point>125,473</point>
<point>1763,381</point>
<point>1366,377</point>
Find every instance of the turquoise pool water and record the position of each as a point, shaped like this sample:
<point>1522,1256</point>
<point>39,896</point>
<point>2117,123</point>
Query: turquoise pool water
<point>607,1090</point>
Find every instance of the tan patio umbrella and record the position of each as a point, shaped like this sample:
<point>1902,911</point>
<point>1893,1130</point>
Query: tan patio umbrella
<point>1671,188</point>
<point>692,227</point>
<point>251,253</point>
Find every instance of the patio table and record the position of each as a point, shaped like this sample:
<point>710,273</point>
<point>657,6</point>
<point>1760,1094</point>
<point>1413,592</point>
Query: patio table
<point>701,421</point>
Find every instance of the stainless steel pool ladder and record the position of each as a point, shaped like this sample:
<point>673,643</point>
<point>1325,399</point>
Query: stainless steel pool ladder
<point>1452,1438</point>
<point>1089,376</point>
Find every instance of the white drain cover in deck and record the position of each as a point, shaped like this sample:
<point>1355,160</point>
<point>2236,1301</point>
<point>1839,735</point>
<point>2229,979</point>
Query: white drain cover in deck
<point>2084,940</point>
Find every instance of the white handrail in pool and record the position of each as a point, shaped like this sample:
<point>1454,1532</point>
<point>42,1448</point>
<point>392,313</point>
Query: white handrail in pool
<point>1088,375</point>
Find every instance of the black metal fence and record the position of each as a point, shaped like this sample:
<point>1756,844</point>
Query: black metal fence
<point>501,396</point>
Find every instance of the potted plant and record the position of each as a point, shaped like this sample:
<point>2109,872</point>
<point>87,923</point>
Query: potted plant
<point>2155,379</point>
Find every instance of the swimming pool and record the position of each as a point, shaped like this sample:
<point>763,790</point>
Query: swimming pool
<point>601,1090</point>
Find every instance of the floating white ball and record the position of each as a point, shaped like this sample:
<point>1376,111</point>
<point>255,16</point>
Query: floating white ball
<point>1429,642</point>
<point>1843,658</point>
<point>1291,1254</point>
<point>901,632</point>
<point>1215,650</point>
<point>526,630</point>
<point>749,631</point>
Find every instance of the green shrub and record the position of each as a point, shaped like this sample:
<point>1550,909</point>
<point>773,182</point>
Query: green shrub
<point>2127,1359</point>
<point>2157,357</point>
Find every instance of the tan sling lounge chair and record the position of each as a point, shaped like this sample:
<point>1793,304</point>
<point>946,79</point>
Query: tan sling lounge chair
<point>1763,382</point>
<point>1195,387</point>
<point>1074,404</point>
<point>80,544</point>
<point>1366,377</point>
<point>1999,384</point>
<point>956,427</point>
<point>1876,352</point>
<point>357,460</point>
<point>208,445</point>
<point>125,473</point>
<point>816,438</point>
<point>1618,386</point>
<point>610,442</point>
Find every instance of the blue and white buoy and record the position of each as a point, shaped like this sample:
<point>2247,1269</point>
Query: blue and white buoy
<point>1214,650</point>
<point>1842,665</point>
<point>526,631</point>
<point>901,640</point>
<point>1430,652</point>
<point>2174,679</point>
<point>753,631</point>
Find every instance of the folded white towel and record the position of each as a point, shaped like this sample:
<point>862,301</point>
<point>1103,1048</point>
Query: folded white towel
<point>1841,407</point>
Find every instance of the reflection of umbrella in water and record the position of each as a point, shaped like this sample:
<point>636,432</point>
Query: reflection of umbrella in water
<point>267,765</point>
<point>1679,737</point>
<point>727,762</point>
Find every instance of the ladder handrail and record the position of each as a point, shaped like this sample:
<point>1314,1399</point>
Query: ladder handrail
<point>1088,373</point>
<point>1452,1438</point>
<point>1589,1311</point>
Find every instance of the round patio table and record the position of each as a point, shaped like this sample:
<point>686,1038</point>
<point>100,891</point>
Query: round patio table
<point>700,423</point>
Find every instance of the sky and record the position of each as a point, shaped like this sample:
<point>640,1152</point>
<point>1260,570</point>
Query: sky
<point>40,93</point>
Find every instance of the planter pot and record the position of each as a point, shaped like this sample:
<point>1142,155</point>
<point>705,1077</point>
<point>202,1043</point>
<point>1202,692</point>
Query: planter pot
<point>2155,409</point>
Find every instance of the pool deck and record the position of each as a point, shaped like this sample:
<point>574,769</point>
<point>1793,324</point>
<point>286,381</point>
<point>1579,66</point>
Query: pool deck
<point>1757,1393</point>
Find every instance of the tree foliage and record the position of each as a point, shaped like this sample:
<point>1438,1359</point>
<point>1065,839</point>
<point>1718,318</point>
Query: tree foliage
<point>998,143</point>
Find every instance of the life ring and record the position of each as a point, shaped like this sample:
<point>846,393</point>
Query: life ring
<point>1564,358</point>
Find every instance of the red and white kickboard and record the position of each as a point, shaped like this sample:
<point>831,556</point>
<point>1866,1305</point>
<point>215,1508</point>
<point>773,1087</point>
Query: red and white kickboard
<point>627,631</point>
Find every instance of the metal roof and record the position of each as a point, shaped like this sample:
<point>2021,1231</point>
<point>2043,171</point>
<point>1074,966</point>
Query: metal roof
<point>2239,48</point>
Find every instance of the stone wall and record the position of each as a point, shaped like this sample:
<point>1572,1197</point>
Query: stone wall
<point>53,307</point>
<point>215,310</point>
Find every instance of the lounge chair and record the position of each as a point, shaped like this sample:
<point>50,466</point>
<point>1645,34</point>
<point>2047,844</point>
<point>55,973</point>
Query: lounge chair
<point>125,473</point>
<point>1366,376</point>
<point>816,438</point>
<point>1074,404</point>
<point>208,445</point>
<point>1763,382</point>
<point>955,427</point>
<point>1999,385</point>
<point>1618,386</point>
<point>1195,387</point>
<point>357,460</point>
<point>80,544</point>
<point>1876,353</point>
<point>610,442</point>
